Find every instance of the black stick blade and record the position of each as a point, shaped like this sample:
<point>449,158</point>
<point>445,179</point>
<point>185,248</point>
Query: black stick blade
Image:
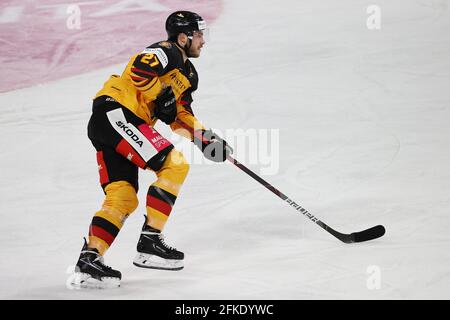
<point>369,234</point>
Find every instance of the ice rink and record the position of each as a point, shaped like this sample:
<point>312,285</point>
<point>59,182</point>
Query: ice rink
<point>353,97</point>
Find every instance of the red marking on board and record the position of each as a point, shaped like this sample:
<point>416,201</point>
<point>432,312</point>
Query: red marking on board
<point>40,40</point>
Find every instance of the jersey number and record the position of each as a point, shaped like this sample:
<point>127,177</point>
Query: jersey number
<point>150,59</point>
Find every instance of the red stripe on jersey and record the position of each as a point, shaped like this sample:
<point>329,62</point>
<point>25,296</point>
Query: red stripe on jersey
<point>196,133</point>
<point>153,74</point>
<point>128,152</point>
<point>152,85</point>
<point>185,125</point>
<point>102,170</point>
<point>143,84</point>
<point>137,78</point>
<point>159,205</point>
<point>102,234</point>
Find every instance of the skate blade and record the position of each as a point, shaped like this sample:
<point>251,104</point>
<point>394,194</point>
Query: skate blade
<point>144,260</point>
<point>80,280</point>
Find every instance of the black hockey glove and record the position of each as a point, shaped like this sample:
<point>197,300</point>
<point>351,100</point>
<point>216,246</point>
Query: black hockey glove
<point>213,147</point>
<point>166,106</point>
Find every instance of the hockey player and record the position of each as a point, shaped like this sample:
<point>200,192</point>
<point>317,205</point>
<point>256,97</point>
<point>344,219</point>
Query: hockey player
<point>156,84</point>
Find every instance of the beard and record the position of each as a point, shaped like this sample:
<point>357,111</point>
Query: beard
<point>193,53</point>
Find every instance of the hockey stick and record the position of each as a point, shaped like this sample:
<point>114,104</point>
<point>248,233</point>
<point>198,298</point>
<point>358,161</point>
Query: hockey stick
<point>364,235</point>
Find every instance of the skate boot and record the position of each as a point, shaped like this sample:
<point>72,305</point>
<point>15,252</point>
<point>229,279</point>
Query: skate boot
<point>154,253</point>
<point>91,272</point>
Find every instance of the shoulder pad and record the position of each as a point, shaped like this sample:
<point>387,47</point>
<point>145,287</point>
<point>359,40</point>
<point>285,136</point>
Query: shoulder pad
<point>162,56</point>
<point>166,52</point>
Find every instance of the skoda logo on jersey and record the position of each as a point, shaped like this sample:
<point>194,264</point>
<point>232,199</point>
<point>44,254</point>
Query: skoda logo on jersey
<point>129,132</point>
<point>134,136</point>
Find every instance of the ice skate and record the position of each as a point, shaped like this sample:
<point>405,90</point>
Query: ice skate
<point>154,253</point>
<point>91,272</point>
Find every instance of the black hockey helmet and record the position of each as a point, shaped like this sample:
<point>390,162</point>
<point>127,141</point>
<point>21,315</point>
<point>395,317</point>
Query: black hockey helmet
<point>183,22</point>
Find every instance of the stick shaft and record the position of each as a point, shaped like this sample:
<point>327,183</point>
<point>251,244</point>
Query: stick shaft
<point>257,178</point>
<point>277,192</point>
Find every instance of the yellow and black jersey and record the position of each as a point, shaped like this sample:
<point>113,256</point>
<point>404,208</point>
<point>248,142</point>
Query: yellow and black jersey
<point>146,74</point>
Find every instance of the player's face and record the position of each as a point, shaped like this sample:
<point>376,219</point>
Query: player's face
<point>197,43</point>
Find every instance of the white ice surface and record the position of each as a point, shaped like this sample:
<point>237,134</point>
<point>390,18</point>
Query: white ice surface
<point>363,118</point>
